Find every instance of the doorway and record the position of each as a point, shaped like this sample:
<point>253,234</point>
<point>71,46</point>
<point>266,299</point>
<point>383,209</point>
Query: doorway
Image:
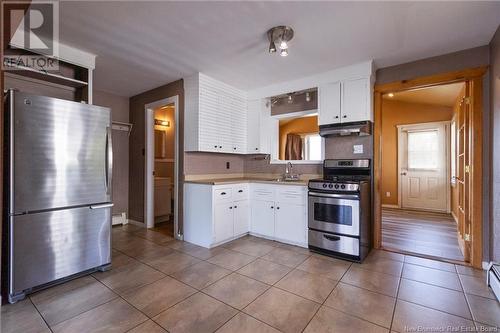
<point>161,170</point>
<point>420,161</point>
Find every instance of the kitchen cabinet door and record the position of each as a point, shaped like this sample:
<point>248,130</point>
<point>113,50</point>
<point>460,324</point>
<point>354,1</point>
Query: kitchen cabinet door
<point>290,223</point>
<point>329,103</point>
<point>262,218</point>
<point>223,222</point>
<point>209,136</point>
<point>355,94</point>
<point>241,213</point>
<point>253,126</point>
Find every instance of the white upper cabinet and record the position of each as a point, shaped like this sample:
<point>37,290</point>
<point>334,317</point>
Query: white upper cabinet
<point>215,116</point>
<point>253,126</point>
<point>345,101</point>
<point>355,95</point>
<point>329,103</point>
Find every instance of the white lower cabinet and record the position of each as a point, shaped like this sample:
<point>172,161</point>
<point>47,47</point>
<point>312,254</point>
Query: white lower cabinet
<point>262,213</point>
<point>241,214</point>
<point>223,222</point>
<point>290,223</point>
<point>215,214</point>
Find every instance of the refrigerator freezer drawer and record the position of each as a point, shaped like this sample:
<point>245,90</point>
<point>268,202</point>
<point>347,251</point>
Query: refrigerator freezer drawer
<point>52,245</point>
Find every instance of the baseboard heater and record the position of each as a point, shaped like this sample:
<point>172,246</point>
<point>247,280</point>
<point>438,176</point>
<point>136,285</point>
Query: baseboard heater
<point>493,279</point>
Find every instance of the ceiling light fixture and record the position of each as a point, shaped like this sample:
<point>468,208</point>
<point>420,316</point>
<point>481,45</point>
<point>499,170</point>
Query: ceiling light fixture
<point>308,96</point>
<point>391,95</point>
<point>290,99</point>
<point>280,35</point>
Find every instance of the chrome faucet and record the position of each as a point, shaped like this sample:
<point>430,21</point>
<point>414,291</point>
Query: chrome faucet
<point>288,169</point>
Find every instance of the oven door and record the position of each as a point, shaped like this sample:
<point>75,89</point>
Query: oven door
<point>337,213</point>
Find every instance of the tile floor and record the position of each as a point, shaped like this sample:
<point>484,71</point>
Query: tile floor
<point>158,284</point>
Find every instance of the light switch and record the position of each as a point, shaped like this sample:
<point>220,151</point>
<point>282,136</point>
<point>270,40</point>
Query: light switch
<point>357,149</point>
<point>388,194</point>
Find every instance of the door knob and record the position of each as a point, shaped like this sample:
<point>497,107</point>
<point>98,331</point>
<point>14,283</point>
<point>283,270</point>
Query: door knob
<point>403,173</point>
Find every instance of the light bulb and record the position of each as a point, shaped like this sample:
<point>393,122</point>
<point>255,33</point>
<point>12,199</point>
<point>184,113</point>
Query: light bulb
<point>290,99</point>
<point>284,52</point>
<point>390,95</point>
<point>308,97</point>
<point>283,45</point>
<point>272,47</point>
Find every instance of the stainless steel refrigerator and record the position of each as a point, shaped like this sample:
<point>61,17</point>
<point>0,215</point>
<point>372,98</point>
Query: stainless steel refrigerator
<point>58,176</point>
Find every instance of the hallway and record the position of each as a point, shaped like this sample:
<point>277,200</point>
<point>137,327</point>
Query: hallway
<point>426,233</point>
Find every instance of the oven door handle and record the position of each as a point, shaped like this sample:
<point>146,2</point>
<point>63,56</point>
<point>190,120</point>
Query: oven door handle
<point>332,195</point>
<point>332,238</point>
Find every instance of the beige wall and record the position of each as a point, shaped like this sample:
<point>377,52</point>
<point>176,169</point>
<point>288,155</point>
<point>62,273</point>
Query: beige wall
<point>400,113</point>
<point>303,125</point>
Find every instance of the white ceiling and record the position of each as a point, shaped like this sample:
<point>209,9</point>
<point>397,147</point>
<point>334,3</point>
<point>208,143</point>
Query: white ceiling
<point>444,95</point>
<point>142,45</point>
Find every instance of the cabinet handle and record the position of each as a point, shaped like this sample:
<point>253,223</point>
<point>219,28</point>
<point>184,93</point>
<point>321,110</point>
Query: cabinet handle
<point>344,116</point>
<point>277,208</point>
<point>235,206</point>
<point>231,207</point>
<point>256,148</point>
<point>223,193</point>
<point>234,148</point>
<point>240,191</point>
<point>336,117</point>
<point>215,146</point>
<point>272,207</point>
<point>220,146</point>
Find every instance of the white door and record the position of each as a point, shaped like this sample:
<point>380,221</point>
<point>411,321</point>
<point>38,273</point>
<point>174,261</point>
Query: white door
<point>329,103</point>
<point>241,217</point>
<point>355,100</point>
<point>290,223</point>
<point>262,213</point>
<point>423,165</point>
<point>223,225</point>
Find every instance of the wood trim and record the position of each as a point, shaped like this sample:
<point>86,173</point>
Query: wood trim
<point>377,170</point>
<point>474,76</point>
<point>432,80</point>
<point>477,172</point>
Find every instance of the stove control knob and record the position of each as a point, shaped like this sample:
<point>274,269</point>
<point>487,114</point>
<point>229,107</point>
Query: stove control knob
<point>336,186</point>
<point>330,186</point>
<point>324,185</point>
<point>342,187</point>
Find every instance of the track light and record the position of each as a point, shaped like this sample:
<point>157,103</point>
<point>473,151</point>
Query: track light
<point>284,52</point>
<point>308,96</point>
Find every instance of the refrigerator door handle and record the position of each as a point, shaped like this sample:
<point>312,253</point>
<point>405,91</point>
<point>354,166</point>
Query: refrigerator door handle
<point>102,206</point>
<point>109,160</point>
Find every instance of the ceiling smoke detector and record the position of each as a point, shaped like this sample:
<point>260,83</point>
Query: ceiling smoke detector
<point>281,36</point>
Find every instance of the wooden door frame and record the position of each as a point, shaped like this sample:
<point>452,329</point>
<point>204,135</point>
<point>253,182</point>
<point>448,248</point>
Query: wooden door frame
<point>475,77</point>
<point>401,129</point>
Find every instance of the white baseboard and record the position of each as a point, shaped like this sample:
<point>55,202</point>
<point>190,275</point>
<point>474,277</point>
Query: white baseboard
<point>389,206</point>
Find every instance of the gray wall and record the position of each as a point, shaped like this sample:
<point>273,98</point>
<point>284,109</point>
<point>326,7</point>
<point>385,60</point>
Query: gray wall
<point>119,112</point>
<point>470,58</point>
<point>495,144</point>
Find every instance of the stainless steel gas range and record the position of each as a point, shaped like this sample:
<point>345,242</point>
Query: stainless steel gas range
<point>340,209</point>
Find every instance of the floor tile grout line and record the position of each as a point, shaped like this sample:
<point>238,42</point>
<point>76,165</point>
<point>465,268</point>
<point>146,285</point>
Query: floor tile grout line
<point>396,302</point>
<point>466,299</point>
<point>40,314</point>
<point>322,304</point>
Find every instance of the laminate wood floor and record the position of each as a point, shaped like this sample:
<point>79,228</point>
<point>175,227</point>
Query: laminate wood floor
<point>425,233</point>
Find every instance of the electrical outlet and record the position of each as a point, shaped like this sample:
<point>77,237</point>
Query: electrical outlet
<point>388,194</point>
<point>228,165</point>
<point>357,149</point>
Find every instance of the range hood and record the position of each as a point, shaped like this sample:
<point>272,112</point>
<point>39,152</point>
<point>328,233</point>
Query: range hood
<point>358,128</point>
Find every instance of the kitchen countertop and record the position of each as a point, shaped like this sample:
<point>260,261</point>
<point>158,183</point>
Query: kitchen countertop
<point>225,181</point>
